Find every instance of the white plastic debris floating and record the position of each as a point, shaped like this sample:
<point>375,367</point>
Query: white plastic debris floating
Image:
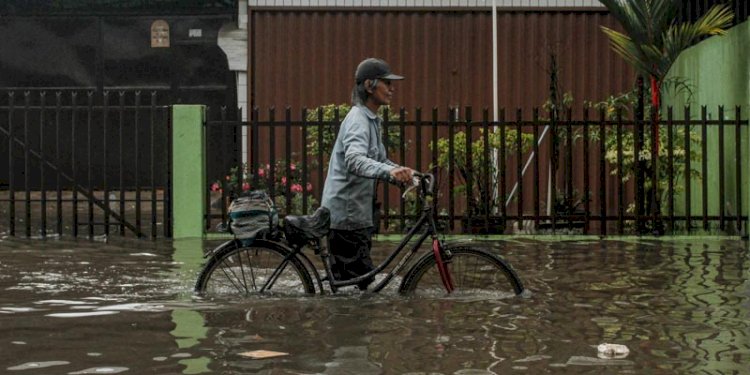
<point>263,354</point>
<point>612,351</point>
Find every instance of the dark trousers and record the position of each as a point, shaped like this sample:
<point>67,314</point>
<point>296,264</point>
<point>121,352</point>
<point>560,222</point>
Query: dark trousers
<point>350,253</point>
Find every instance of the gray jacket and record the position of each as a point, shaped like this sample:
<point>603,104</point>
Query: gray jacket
<point>358,158</point>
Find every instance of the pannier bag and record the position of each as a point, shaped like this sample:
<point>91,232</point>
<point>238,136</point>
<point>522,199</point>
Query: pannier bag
<point>253,214</point>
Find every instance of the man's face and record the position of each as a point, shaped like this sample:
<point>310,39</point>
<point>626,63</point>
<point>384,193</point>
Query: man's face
<point>383,92</point>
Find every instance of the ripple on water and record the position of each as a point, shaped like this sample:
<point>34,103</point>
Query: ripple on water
<point>472,371</point>
<point>83,307</point>
<point>18,309</point>
<point>60,302</point>
<point>591,361</point>
<point>533,358</point>
<point>100,370</point>
<point>36,365</point>
<point>148,307</point>
<point>82,314</point>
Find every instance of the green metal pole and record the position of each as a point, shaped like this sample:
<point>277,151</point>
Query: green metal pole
<point>188,171</point>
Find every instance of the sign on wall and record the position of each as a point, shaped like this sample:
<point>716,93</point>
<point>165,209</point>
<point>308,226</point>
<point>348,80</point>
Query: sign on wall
<point>160,34</point>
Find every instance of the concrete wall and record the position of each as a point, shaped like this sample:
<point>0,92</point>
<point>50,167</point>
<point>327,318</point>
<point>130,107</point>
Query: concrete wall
<point>719,70</point>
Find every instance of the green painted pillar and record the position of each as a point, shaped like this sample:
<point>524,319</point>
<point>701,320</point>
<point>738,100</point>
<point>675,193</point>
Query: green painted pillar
<point>189,325</point>
<point>188,171</point>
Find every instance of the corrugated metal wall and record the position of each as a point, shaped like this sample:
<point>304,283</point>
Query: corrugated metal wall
<point>307,58</point>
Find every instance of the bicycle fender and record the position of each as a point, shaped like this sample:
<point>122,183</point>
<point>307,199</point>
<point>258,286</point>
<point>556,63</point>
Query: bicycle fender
<point>219,248</point>
<point>429,254</point>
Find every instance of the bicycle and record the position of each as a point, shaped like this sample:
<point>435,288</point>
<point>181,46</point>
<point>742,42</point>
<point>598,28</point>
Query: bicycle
<point>275,264</point>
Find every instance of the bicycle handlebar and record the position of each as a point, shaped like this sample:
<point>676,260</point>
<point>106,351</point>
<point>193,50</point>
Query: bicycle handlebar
<point>430,178</point>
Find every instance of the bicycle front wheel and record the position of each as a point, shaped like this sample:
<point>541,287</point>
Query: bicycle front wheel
<point>264,268</point>
<point>473,271</point>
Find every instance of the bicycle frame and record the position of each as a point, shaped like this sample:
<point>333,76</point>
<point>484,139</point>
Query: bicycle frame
<point>426,220</point>
<point>299,238</point>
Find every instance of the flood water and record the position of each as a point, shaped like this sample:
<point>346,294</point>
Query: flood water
<point>81,307</point>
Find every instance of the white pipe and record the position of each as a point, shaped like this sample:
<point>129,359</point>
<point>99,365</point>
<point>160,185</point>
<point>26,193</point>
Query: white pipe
<point>494,60</point>
<point>495,154</point>
<point>528,162</point>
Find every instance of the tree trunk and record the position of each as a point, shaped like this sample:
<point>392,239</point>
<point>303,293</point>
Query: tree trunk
<point>655,107</point>
<point>639,144</point>
<point>658,226</point>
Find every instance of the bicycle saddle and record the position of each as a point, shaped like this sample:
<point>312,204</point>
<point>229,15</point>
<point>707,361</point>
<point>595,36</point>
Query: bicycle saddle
<point>309,227</point>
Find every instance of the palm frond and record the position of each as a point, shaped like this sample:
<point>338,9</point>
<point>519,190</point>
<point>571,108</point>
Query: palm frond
<point>715,21</point>
<point>662,13</point>
<point>624,46</point>
<point>630,15</point>
<point>680,37</point>
<point>651,42</point>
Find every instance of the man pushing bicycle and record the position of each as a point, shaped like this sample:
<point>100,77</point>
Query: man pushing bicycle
<point>358,159</point>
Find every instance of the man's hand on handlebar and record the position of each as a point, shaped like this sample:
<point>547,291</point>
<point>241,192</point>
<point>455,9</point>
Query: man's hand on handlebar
<point>402,175</point>
<point>426,180</point>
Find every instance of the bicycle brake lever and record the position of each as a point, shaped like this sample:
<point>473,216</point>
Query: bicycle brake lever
<point>414,184</point>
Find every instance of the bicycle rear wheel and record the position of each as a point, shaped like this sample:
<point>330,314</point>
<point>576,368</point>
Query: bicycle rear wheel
<point>474,272</point>
<point>258,269</point>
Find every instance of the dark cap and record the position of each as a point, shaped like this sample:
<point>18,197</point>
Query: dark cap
<point>373,68</point>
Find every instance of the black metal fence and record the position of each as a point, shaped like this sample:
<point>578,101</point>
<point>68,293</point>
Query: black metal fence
<point>560,175</point>
<point>84,162</point>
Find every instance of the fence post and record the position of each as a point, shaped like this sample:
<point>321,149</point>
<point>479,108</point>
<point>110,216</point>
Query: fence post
<point>188,171</point>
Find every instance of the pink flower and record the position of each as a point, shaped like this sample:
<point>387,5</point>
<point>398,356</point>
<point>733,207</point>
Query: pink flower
<point>245,186</point>
<point>283,180</point>
<point>261,172</point>
<point>296,188</point>
<point>309,187</point>
<point>215,187</point>
<point>292,166</point>
<point>228,177</point>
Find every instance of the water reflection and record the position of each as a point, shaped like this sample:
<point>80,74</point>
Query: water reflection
<point>680,306</point>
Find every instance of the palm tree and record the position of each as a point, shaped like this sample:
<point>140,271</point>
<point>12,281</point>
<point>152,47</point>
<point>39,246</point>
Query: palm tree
<point>652,41</point>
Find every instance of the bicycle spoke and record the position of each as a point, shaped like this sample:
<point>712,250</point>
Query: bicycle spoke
<point>266,267</point>
<point>473,271</point>
<point>242,271</point>
<point>223,269</point>
<point>252,271</point>
<point>274,276</point>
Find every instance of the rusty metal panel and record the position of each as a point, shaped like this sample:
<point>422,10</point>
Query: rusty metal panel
<point>307,58</point>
